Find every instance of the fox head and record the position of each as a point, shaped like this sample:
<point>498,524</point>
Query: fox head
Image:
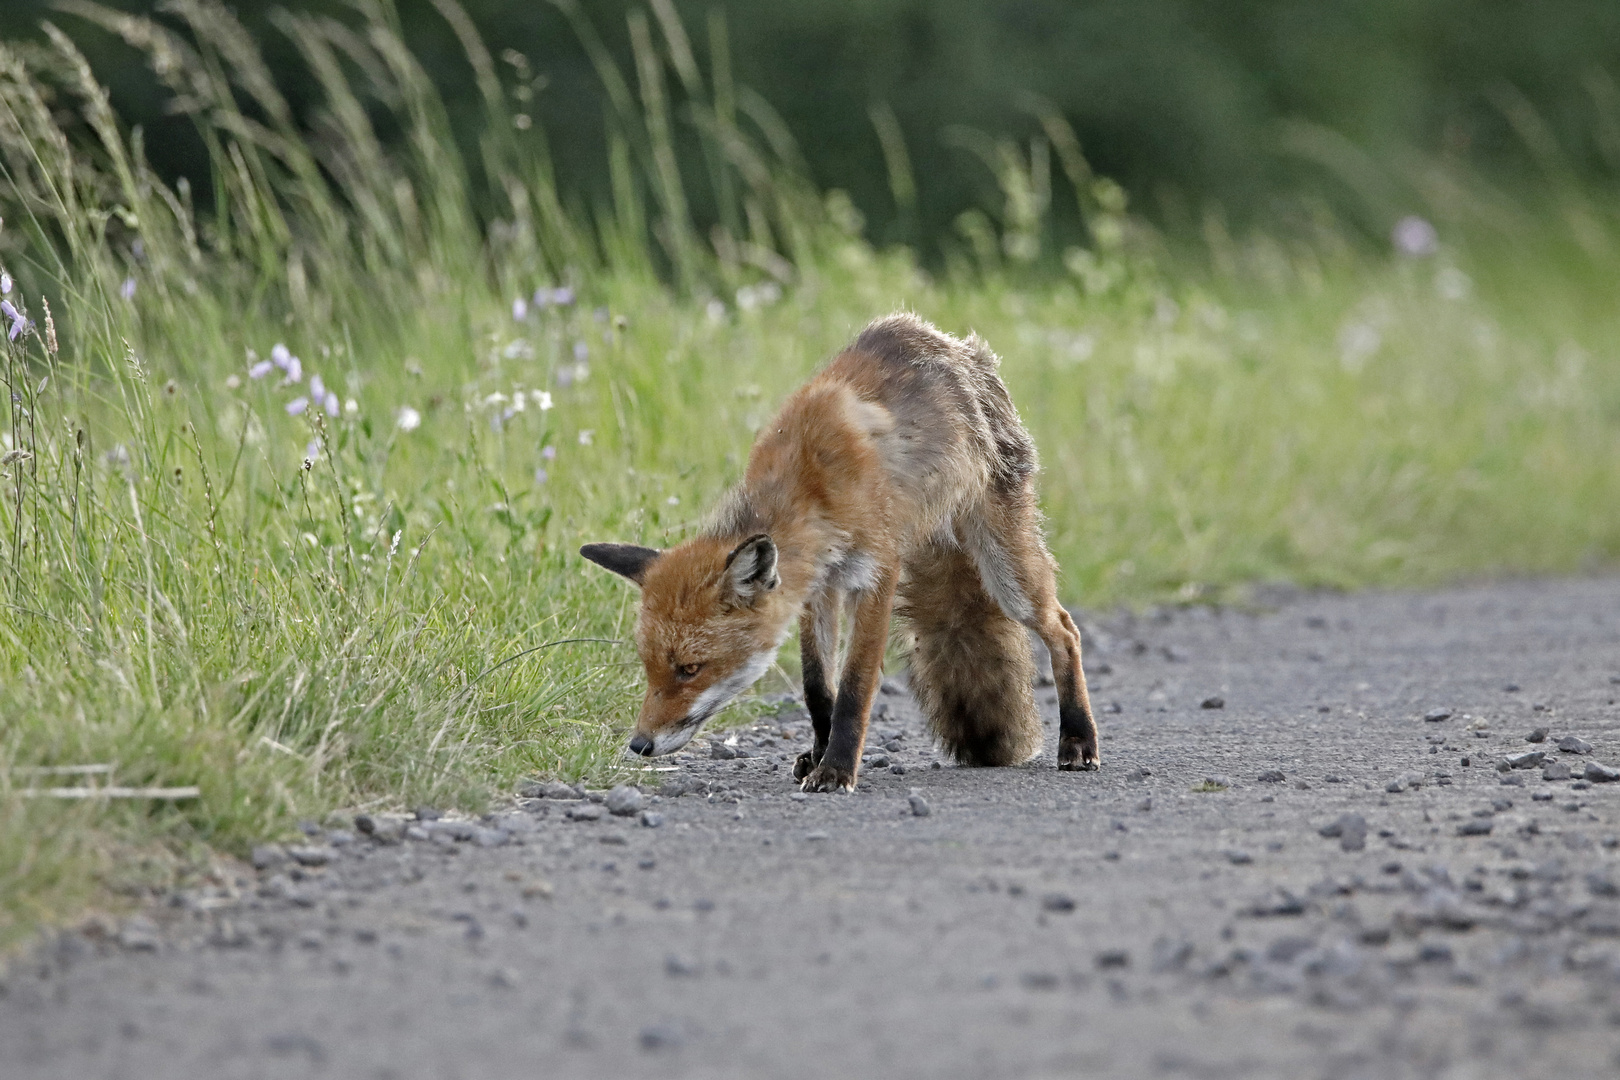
<point>712,617</point>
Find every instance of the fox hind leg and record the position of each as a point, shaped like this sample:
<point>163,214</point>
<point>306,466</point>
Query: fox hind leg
<point>971,667</point>
<point>1019,571</point>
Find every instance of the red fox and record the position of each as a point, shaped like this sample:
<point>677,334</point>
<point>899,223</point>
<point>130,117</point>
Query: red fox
<point>897,480</point>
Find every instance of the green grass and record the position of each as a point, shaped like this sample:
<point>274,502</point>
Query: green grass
<point>304,612</point>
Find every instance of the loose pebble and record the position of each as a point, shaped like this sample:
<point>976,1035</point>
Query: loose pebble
<point>1215,702</point>
<point>585,812</point>
<point>1598,773</point>
<point>1271,776</point>
<point>721,752</point>
<point>919,805</point>
<point>1574,744</point>
<point>1475,827</point>
<point>428,813</point>
<point>1434,716</point>
<point>310,856</point>
<point>1058,902</point>
<point>624,801</point>
<point>1239,858</point>
<point>1556,770</point>
<point>651,819</point>
<point>269,856</point>
<point>1538,735</point>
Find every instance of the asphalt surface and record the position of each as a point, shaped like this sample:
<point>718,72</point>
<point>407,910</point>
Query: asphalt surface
<point>1177,914</point>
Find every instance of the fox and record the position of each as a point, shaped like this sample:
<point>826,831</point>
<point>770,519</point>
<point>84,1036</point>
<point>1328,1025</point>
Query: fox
<point>898,481</point>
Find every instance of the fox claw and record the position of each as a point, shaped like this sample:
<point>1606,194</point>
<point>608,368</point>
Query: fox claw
<point>828,778</point>
<point>1076,754</point>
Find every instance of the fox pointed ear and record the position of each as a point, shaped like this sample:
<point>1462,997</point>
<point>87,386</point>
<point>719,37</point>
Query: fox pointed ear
<point>751,569</point>
<point>626,560</point>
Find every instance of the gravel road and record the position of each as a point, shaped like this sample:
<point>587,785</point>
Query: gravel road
<point>1179,913</point>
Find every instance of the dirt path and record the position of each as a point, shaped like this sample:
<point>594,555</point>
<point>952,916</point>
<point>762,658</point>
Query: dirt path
<point>1140,921</point>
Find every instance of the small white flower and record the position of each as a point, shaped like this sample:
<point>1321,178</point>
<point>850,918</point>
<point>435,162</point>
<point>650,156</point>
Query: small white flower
<point>549,453</point>
<point>332,405</point>
<point>127,289</point>
<point>673,500</point>
<point>520,401</point>
<point>542,400</point>
<point>260,370</point>
<point>5,283</point>
<point>520,309</point>
<point>494,399</point>
<point>408,418</point>
<point>587,436</point>
<point>1415,237</point>
<point>297,405</point>
<point>232,382</point>
<point>582,351</point>
<point>540,476</point>
<point>351,408</point>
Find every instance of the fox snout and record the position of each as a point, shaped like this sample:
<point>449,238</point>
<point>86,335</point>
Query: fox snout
<point>640,744</point>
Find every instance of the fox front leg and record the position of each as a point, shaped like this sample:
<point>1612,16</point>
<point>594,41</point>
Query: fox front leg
<point>818,646</point>
<point>836,770</point>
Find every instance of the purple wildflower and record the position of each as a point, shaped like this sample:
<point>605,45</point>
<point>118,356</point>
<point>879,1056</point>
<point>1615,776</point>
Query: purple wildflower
<point>127,289</point>
<point>295,372</point>
<point>333,406</point>
<point>260,370</point>
<point>549,453</point>
<point>520,309</point>
<point>5,283</point>
<point>18,323</point>
<point>280,355</point>
<point>297,405</point>
<point>317,388</point>
<point>562,296</point>
<point>582,351</point>
<point>540,476</point>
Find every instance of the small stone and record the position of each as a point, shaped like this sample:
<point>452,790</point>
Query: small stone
<point>1145,805</point>
<point>721,752</point>
<point>1434,716</point>
<point>1213,702</point>
<point>1528,760</point>
<point>624,801</point>
<point>1574,744</point>
<point>139,934</point>
<point>416,832</point>
<point>1601,884</point>
<point>1271,776</point>
<point>340,838</point>
<point>1511,780</point>
<point>491,837</point>
<point>366,824</point>
<point>1239,858</point>
<point>1058,902</point>
<point>268,856</point>
<point>678,967</point>
<point>428,813</point>
<point>1510,688</point>
<point>1038,980</point>
<point>1113,958</point>
<point>310,856</point>
<point>919,805</point>
<point>585,812</point>
<point>1480,826</point>
<point>659,1037</point>
<point>1538,735</point>
<point>893,746</point>
<point>1556,770</point>
<point>1350,829</point>
<point>897,769</point>
<point>554,789</point>
<point>651,819</point>
<point>1598,773</point>
<point>878,761</point>
<point>815,836</point>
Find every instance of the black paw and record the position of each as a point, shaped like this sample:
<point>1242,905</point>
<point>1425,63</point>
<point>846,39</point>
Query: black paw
<point>825,777</point>
<point>1077,753</point>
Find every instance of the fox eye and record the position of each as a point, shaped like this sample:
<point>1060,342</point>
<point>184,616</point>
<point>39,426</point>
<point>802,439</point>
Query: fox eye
<point>687,671</point>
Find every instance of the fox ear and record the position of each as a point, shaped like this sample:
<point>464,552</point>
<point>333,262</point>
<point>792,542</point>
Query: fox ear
<point>627,560</point>
<point>751,569</point>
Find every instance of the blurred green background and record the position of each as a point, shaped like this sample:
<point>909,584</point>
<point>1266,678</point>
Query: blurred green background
<point>1192,105</point>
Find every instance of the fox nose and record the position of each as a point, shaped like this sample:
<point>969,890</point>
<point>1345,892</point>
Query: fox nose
<point>640,744</point>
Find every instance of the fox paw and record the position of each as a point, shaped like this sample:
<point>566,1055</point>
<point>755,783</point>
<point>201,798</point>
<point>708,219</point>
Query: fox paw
<point>825,777</point>
<point>1076,753</point>
<point>803,764</point>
